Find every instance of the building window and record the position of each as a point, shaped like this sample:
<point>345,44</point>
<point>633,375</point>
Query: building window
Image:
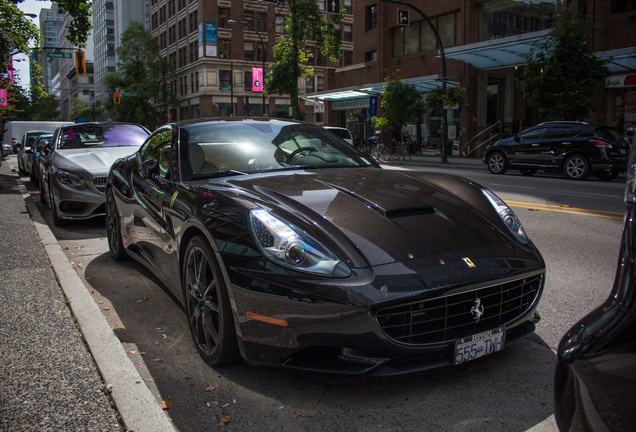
<point>502,18</point>
<point>419,36</point>
<point>309,86</point>
<point>619,6</point>
<point>248,49</point>
<point>320,86</point>
<point>196,78</point>
<point>280,24</point>
<point>347,58</point>
<point>225,78</point>
<point>247,81</point>
<point>371,17</point>
<point>261,21</point>
<point>347,31</point>
<point>370,56</point>
<point>347,4</point>
<point>225,48</point>
<point>224,15</point>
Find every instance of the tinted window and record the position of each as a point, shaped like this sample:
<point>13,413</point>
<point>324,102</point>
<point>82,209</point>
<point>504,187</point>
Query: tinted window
<point>159,148</point>
<point>342,133</point>
<point>98,135</point>
<point>211,147</point>
<point>532,134</point>
<point>607,133</point>
<point>558,132</point>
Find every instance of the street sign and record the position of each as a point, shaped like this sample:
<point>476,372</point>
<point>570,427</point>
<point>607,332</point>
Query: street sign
<point>59,55</point>
<point>403,17</point>
<point>227,88</point>
<point>373,105</point>
<point>129,94</point>
<point>333,6</point>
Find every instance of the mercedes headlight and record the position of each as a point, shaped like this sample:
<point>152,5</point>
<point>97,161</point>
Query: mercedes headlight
<point>508,217</point>
<point>70,179</point>
<point>290,247</point>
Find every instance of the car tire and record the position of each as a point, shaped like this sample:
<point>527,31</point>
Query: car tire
<point>564,397</point>
<point>607,175</point>
<point>576,167</point>
<point>528,172</point>
<point>497,163</point>
<point>116,248</point>
<point>57,220</point>
<point>21,170</point>
<point>208,305</point>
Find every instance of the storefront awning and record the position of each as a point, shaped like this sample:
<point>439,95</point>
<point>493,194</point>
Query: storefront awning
<point>496,53</point>
<point>422,85</point>
<point>620,60</point>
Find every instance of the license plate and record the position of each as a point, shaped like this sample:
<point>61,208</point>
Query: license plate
<point>479,345</point>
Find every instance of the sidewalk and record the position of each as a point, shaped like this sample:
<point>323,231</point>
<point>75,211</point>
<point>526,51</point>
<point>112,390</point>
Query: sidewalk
<point>434,160</point>
<point>63,368</point>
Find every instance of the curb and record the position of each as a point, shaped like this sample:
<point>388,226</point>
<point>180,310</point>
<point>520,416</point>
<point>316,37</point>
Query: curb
<point>134,401</point>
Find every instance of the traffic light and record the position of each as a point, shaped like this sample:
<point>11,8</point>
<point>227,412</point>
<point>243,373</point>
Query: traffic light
<point>80,63</point>
<point>168,118</point>
<point>116,98</point>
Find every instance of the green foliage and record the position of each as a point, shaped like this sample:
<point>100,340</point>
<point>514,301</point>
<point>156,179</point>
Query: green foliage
<point>45,109</point>
<point>80,25</point>
<point>455,95</point>
<point>401,104</point>
<point>141,70</point>
<point>304,22</point>
<point>562,72</point>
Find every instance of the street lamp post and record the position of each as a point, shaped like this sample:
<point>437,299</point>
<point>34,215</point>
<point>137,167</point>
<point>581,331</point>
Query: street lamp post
<point>263,49</point>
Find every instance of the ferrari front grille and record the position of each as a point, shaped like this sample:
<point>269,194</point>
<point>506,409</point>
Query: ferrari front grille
<point>448,318</point>
<point>100,183</point>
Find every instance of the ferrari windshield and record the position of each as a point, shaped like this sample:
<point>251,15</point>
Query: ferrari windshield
<point>253,146</point>
<point>92,135</point>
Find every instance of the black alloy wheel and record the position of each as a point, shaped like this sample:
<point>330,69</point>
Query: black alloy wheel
<point>116,248</point>
<point>576,167</point>
<point>57,220</point>
<point>208,306</point>
<point>497,163</point>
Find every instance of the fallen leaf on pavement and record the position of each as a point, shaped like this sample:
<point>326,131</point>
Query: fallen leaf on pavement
<point>225,418</point>
<point>165,405</point>
<point>304,412</point>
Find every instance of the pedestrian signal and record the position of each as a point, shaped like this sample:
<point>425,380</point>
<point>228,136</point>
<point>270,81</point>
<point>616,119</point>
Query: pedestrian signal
<point>80,63</point>
<point>116,98</point>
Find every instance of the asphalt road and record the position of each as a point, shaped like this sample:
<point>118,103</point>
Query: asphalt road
<point>576,226</point>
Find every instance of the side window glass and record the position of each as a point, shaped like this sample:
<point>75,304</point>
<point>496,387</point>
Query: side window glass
<point>558,132</point>
<point>159,148</point>
<point>533,134</point>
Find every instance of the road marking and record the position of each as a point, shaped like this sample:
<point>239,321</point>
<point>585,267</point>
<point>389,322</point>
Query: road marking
<point>593,195</point>
<point>566,209</point>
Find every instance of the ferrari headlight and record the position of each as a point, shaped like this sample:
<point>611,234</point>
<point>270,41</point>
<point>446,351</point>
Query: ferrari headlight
<point>508,217</point>
<point>70,179</point>
<point>290,247</point>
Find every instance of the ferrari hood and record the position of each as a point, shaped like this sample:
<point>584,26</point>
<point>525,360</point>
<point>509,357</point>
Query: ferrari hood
<point>388,216</point>
<point>96,161</point>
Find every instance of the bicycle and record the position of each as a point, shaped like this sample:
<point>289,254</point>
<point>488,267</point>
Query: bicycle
<point>380,153</point>
<point>401,150</point>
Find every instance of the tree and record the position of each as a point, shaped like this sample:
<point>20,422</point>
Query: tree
<point>44,109</point>
<point>401,104</point>
<point>304,22</point>
<point>140,79</point>
<point>562,72</point>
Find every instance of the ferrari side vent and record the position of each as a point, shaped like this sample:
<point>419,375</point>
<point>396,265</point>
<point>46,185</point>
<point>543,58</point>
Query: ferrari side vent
<point>405,212</point>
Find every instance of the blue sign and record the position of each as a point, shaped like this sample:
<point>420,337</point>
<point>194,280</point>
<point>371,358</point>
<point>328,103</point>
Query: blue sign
<point>373,105</point>
<point>210,32</point>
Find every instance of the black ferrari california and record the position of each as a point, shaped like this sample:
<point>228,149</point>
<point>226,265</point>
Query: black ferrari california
<point>289,247</point>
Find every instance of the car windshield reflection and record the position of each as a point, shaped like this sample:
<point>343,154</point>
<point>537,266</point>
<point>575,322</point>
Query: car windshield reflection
<point>233,148</point>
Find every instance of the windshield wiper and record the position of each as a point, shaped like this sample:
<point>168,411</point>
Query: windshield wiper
<point>216,174</point>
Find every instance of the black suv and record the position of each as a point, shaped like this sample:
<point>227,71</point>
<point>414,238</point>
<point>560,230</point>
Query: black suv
<point>574,148</point>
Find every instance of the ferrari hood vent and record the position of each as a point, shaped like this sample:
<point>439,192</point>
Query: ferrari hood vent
<point>388,213</point>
